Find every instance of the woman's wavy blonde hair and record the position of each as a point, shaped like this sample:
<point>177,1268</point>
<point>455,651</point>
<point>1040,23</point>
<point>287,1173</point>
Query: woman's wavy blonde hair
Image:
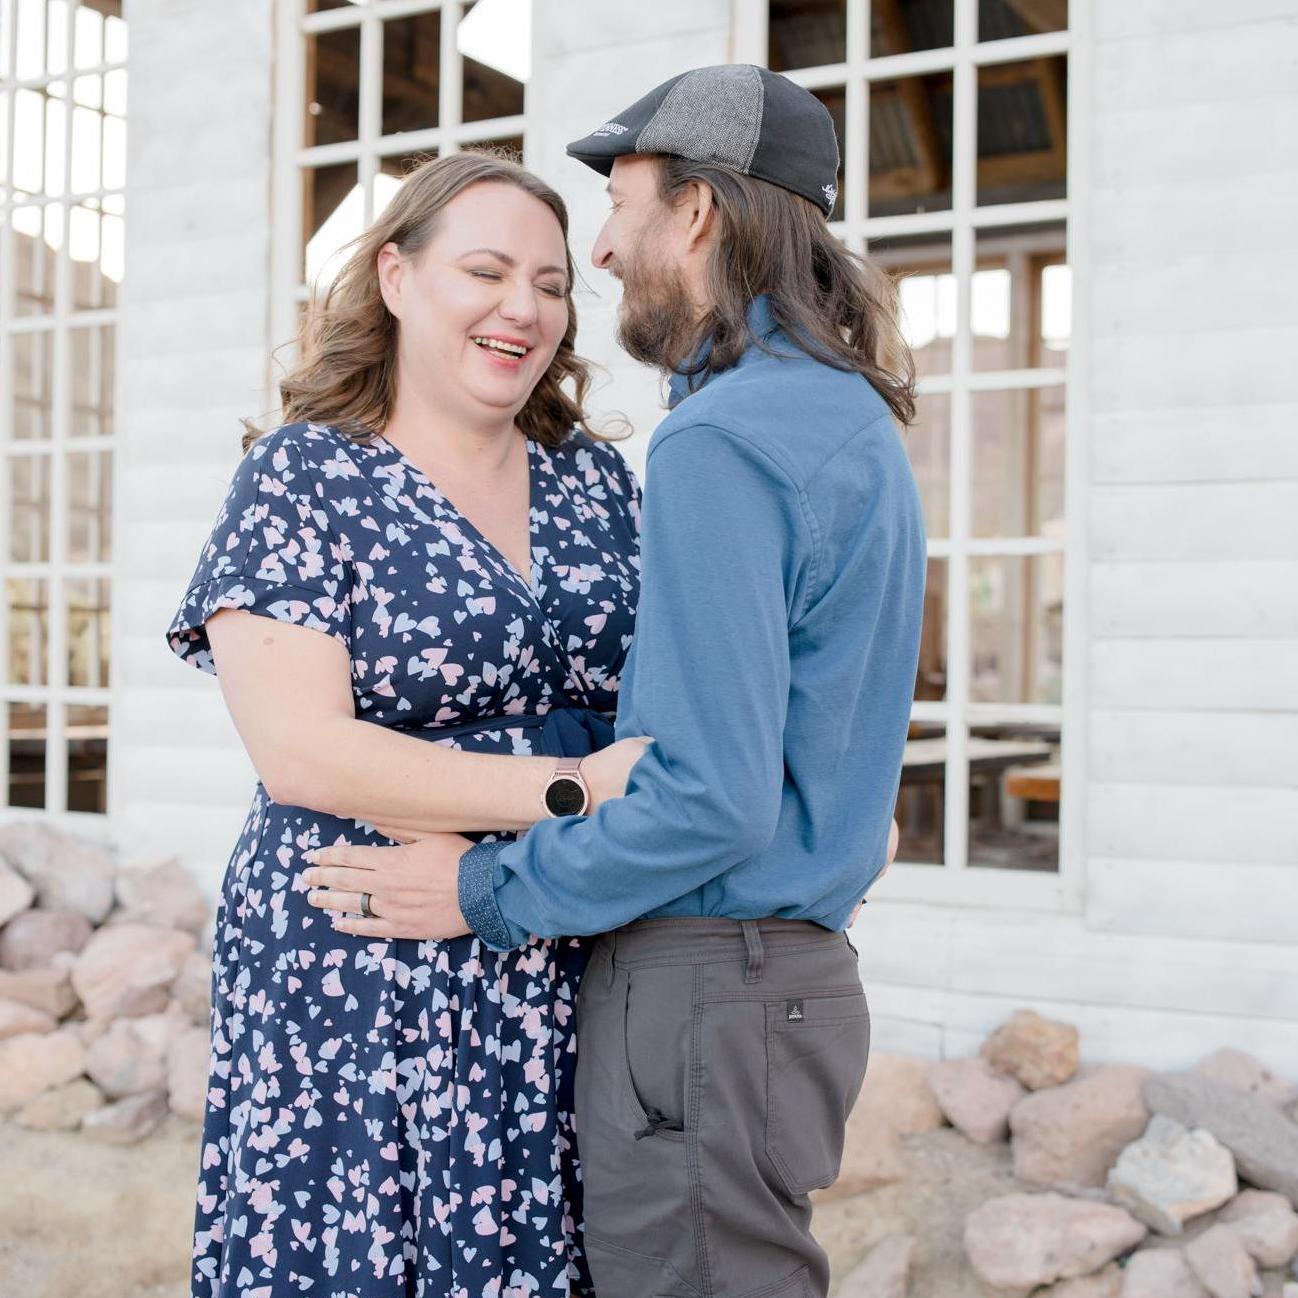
<point>346,371</point>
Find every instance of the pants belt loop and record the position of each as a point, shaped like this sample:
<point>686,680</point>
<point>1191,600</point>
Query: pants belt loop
<point>756,955</point>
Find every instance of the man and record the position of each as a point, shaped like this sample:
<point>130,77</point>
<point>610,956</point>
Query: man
<point>724,1035</point>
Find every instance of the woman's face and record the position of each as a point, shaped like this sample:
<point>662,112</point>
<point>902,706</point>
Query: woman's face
<point>483,306</point>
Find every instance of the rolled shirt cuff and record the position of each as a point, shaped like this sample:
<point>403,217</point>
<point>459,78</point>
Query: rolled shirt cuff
<point>477,891</point>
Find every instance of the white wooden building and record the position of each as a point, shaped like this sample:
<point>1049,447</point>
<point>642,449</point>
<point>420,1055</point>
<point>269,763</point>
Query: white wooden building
<point>1095,205</point>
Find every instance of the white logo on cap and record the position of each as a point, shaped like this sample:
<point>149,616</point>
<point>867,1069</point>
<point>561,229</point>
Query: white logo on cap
<point>830,192</point>
<point>610,128</point>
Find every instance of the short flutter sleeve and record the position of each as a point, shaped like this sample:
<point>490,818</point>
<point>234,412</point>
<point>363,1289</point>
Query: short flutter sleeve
<point>272,552</point>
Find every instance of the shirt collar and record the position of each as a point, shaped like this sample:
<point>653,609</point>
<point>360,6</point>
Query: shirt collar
<point>761,324</point>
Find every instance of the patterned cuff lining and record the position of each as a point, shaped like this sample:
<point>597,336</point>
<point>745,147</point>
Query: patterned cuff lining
<point>477,888</point>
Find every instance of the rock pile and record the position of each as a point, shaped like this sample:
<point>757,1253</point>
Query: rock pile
<point>103,987</point>
<point>1135,1184</point>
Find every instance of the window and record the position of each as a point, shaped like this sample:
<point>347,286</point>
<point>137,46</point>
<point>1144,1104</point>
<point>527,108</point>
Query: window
<point>62,162</point>
<point>952,117</point>
<point>370,90</point>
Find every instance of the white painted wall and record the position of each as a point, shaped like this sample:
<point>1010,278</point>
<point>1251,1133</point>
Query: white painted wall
<point>1188,934</point>
<point>1185,938</point>
<point>192,360</point>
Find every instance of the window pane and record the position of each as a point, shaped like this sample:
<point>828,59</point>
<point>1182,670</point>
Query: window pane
<point>31,39</point>
<point>490,93</point>
<point>1018,463</point>
<point>897,28</point>
<point>90,506</point>
<point>910,144</point>
<point>1016,611</point>
<point>1014,783</point>
<point>1014,306</point>
<point>28,603</point>
<point>1022,131</point>
<point>835,100</point>
<point>412,72</point>
<point>88,638</point>
<point>931,674</point>
<point>332,86</point>
<point>921,799</point>
<point>1001,19</point>
<point>928,443</point>
<point>37,235</point>
<point>94,245</point>
<point>334,213</point>
<point>32,357</point>
<point>926,296</point>
<point>806,33</point>
<point>25,736</point>
<point>87,730</point>
<point>93,353</point>
<point>400,165</point>
<point>29,509</point>
<point>89,37</point>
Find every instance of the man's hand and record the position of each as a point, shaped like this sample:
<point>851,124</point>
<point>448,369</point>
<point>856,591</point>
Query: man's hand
<point>894,837</point>
<point>414,889</point>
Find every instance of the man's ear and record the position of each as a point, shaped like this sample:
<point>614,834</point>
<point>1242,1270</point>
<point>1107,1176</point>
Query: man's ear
<point>391,269</point>
<point>700,206</point>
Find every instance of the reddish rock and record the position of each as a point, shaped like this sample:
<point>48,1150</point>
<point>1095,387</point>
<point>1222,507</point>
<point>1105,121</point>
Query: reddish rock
<point>1021,1241</point>
<point>16,894</point>
<point>162,893</point>
<point>1039,1052</point>
<point>1266,1224</point>
<point>32,940</point>
<point>128,969</point>
<point>67,873</point>
<point>1222,1264</point>
<point>48,990</point>
<point>1243,1072</point>
<point>187,1072</point>
<point>16,1018</point>
<point>1103,1284</point>
<point>62,1108</point>
<point>884,1272</point>
<point>975,1098</point>
<point>35,1062</point>
<point>872,1156</point>
<point>128,1121</point>
<point>1161,1273</point>
<point>896,1089</point>
<point>1072,1135</point>
<point>130,1055</point>
<point>193,988</point>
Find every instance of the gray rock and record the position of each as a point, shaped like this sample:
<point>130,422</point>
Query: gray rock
<point>1223,1265</point>
<point>131,1055</point>
<point>1039,1052</point>
<point>62,1108</point>
<point>1103,1284</point>
<point>128,969</point>
<point>1160,1273</point>
<point>884,1272</point>
<point>1171,1175</point>
<point>1071,1135</point>
<point>1244,1072</point>
<point>975,1098</point>
<point>1263,1140</point>
<point>128,1121</point>
<point>1021,1241</point>
<point>16,1018</point>
<point>1266,1225</point>
<point>32,940</point>
<point>48,990</point>
<point>16,894</point>
<point>67,873</point>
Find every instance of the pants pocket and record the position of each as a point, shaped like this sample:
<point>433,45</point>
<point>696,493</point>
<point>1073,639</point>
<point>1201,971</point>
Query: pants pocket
<point>623,1273</point>
<point>816,1052</point>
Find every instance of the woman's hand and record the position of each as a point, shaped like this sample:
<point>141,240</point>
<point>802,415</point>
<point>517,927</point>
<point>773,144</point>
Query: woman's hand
<point>608,771</point>
<point>894,837</point>
<point>413,890</point>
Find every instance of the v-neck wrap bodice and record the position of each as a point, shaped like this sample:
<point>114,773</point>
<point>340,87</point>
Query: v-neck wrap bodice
<point>444,633</point>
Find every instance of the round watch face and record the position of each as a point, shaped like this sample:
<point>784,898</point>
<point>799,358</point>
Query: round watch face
<point>564,796</point>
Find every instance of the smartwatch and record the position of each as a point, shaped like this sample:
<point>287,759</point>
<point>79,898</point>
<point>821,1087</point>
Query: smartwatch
<point>566,794</point>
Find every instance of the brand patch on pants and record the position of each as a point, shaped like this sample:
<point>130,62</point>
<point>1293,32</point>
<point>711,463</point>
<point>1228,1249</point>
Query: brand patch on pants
<point>793,1011</point>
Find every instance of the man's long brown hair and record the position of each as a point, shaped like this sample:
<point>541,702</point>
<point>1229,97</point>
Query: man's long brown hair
<point>346,372</point>
<point>836,305</point>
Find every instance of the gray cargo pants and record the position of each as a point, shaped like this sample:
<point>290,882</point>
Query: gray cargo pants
<point>717,1063</point>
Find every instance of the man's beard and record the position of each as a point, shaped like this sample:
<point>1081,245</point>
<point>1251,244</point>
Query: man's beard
<point>657,324</point>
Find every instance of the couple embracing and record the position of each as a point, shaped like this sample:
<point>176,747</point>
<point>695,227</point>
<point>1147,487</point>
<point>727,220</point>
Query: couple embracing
<point>509,1002</point>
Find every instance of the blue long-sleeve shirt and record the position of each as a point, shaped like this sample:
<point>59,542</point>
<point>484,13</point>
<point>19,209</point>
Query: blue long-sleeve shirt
<point>782,576</point>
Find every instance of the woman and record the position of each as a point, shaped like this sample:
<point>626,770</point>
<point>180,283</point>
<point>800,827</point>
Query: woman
<point>443,553</point>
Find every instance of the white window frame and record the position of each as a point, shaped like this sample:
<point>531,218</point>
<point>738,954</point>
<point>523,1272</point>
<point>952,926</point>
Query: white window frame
<point>294,26</point>
<point>955,882</point>
<point>56,695</point>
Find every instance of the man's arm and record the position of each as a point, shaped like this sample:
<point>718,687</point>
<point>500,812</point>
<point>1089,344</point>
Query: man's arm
<point>725,548</point>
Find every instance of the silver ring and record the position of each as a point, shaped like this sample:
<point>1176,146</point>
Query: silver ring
<point>366,912</point>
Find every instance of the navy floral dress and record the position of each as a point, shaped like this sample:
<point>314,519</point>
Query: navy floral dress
<point>392,1118</point>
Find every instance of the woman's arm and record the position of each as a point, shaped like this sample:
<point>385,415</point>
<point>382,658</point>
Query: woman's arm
<point>289,693</point>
